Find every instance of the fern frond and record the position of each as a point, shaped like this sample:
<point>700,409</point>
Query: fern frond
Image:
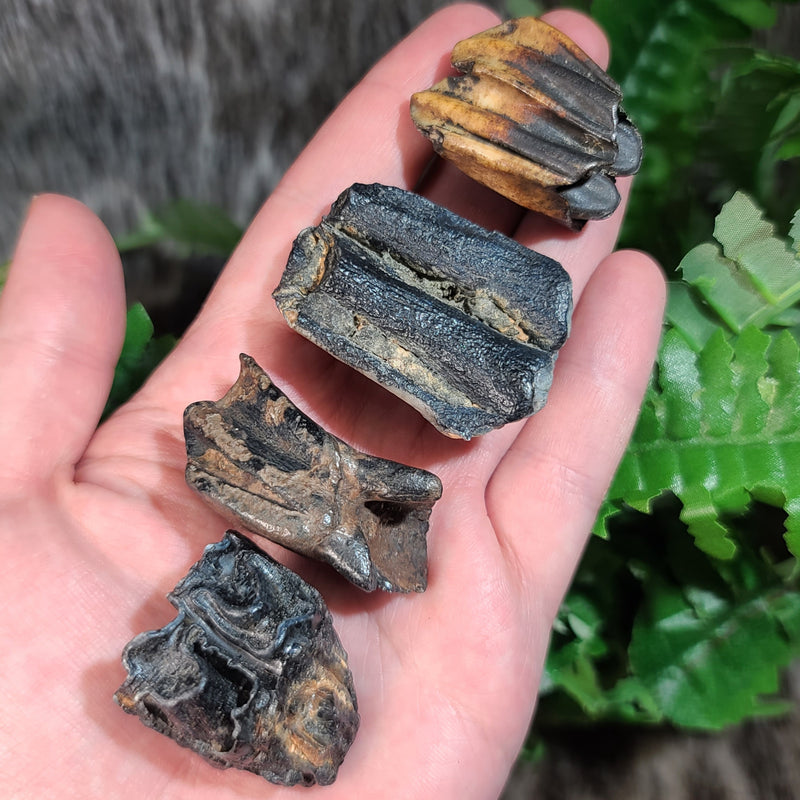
<point>720,424</point>
<point>755,277</point>
<point>719,428</point>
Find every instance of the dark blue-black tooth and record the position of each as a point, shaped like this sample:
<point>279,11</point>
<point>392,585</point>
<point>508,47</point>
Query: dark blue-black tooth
<point>461,322</point>
<point>629,149</point>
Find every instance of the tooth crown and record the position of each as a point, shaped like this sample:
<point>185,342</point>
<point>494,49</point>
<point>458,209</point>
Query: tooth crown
<point>250,674</point>
<point>535,119</point>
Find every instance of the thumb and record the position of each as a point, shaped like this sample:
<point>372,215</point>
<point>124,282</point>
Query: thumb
<point>62,321</point>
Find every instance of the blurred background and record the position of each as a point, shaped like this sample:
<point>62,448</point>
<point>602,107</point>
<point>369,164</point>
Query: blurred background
<point>131,106</point>
<point>174,121</point>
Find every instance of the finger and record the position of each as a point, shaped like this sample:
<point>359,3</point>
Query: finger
<point>548,487</point>
<point>584,31</point>
<point>62,320</point>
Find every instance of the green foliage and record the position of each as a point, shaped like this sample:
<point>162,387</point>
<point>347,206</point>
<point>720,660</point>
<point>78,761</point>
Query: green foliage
<point>708,654</point>
<point>755,278</point>
<point>720,424</point>
<point>688,608</point>
<point>523,8</point>
<point>718,428</point>
<point>716,114</point>
<point>587,674</point>
<point>141,354</point>
<point>190,227</point>
<point>668,634</point>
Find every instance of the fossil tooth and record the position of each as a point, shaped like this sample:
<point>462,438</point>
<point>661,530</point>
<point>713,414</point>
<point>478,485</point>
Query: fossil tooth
<point>533,118</point>
<point>259,460</point>
<point>461,322</point>
<point>250,674</point>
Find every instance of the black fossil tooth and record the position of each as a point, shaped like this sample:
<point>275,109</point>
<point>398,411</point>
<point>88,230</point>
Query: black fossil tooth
<point>461,322</point>
<point>250,674</point>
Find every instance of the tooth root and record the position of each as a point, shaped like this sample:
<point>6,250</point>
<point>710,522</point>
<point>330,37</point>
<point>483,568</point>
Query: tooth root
<point>595,198</point>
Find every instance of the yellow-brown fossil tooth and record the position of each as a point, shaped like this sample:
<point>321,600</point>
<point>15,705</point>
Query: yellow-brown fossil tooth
<point>546,65</point>
<point>535,119</point>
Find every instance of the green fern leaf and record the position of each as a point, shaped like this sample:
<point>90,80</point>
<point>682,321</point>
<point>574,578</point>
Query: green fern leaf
<point>187,226</point>
<point>708,658</point>
<point>661,49</point>
<point>141,354</point>
<point>794,232</point>
<point>753,13</point>
<point>692,320</point>
<point>755,278</point>
<point>654,630</point>
<point>718,429</point>
<point>720,424</point>
<point>707,129</point>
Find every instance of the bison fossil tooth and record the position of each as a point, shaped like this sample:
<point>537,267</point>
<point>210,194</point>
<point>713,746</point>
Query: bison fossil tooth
<point>533,118</point>
<point>461,322</point>
<point>257,458</point>
<point>250,674</point>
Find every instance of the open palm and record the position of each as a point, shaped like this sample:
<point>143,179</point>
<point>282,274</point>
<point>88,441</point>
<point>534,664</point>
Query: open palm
<point>98,524</point>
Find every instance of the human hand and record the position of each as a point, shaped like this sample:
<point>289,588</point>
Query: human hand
<point>98,524</point>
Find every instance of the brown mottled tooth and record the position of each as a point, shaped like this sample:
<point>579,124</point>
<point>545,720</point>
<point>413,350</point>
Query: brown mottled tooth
<point>262,463</point>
